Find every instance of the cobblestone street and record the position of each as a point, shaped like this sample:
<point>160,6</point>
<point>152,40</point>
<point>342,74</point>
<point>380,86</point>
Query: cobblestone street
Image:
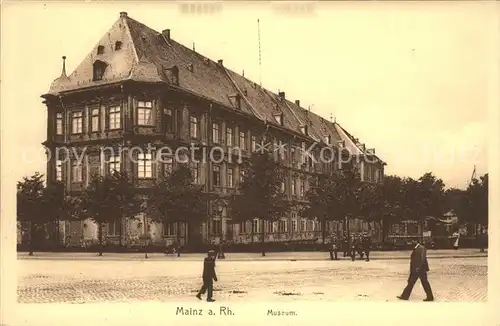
<point>168,279</point>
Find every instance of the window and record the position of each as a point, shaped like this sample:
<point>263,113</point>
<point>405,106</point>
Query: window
<point>279,118</point>
<point>194,172</point>
<point>309,225</point>
<point>100,49</point>
<point>294,226</point>
<point>169,229</point>
<point>243,227</point>
<point>77,126</point>
<point>229,177</point>
<point>114,117</point>
<point>144,166</point>
<point>255,226</point>
<point>282,186</point>
<point>118,45</point>
<point>114,164</point>
<point>242,140</point>
<point>229,136</point>
<point>215,133</point>
<point>302,225</point>
<point>59,123</point>
<point>282,226</point>
<point>292,154</point>
<point>302,182</point>
<point>94,120</point>
<point>216,175</point>
<point>59,170</point>
<point>242,175</point>
<point>194,126</point>
<point>145,113</point>
<point>168,120</point>
<point>99,68</point>
<point>216,227</point>
<point>281,150</point>
<point>293,187</point>
<point>168,164</point>
<point>114,228</point>
<point>254,143</point>
<point>274,226</point>
<point>76,172</point>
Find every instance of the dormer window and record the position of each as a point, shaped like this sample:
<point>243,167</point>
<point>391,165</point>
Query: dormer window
<point>99,68</point>
<point>235,100</point>
<point>328,140</point>
<point>100,49</point>
<point>279,118</point>
<point>303,129</point>
<point>118,45</point>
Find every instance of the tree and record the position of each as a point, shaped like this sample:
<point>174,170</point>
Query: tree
<point>348,190</point>
<point>382,203</point>
<point>109,199</point>
<point>332,198</point>
<point>29,204</point>
<point>423,197</point>
<point>175,199</point>
<point>57,206</point>
<point>260,195</point>
<point>473,206</point>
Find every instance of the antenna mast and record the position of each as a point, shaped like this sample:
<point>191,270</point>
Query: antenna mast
<point>260,67</point>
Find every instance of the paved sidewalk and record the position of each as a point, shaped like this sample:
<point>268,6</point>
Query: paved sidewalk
<point>87,281</point>
<point>300,255</point>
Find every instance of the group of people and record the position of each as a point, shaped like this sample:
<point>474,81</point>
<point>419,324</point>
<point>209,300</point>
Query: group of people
<point>419,267</point>
<point>356,243</point>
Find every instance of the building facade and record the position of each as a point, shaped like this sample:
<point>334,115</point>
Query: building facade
<point>140,100</point>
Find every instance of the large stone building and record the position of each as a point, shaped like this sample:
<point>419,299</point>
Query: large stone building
<point>138,87</point>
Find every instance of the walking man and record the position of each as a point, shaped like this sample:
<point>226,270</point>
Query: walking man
<point>208,276</point>
<point>366,245</point>
<point>334,249</point>
<point>345,243</point>
<point>418,270</point>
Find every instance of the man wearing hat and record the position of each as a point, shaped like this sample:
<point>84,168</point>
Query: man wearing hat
<point>366,244</point>
<point>209,276</point>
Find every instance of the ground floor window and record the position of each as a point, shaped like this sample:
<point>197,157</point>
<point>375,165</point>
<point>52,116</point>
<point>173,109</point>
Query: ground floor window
<point>255,226</point>
<point>169,229</point>
<point>243,227</point>
<point>114,228</point>
<point>216,227</point>
<point>303,225</point>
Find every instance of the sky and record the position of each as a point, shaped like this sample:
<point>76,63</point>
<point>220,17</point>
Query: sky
<point>416,81</point>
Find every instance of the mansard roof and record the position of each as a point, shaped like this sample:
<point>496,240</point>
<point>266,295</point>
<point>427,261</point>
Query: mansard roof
<point>145,55</point>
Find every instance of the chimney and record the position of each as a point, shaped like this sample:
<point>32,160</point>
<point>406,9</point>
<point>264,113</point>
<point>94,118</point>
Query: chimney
<point>220,62</point>
<point>166,34</point>
<point>123,14</point>
<point>281,96</point>
<point>297,102</point>
<point>63,73</point>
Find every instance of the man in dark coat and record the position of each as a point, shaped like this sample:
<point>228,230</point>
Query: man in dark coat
<point>366,244</point>
<point>209,276</point>
<point>354,246</point>
<point>418,270</point>
<point>334,249</point>
<point>345,244</point>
